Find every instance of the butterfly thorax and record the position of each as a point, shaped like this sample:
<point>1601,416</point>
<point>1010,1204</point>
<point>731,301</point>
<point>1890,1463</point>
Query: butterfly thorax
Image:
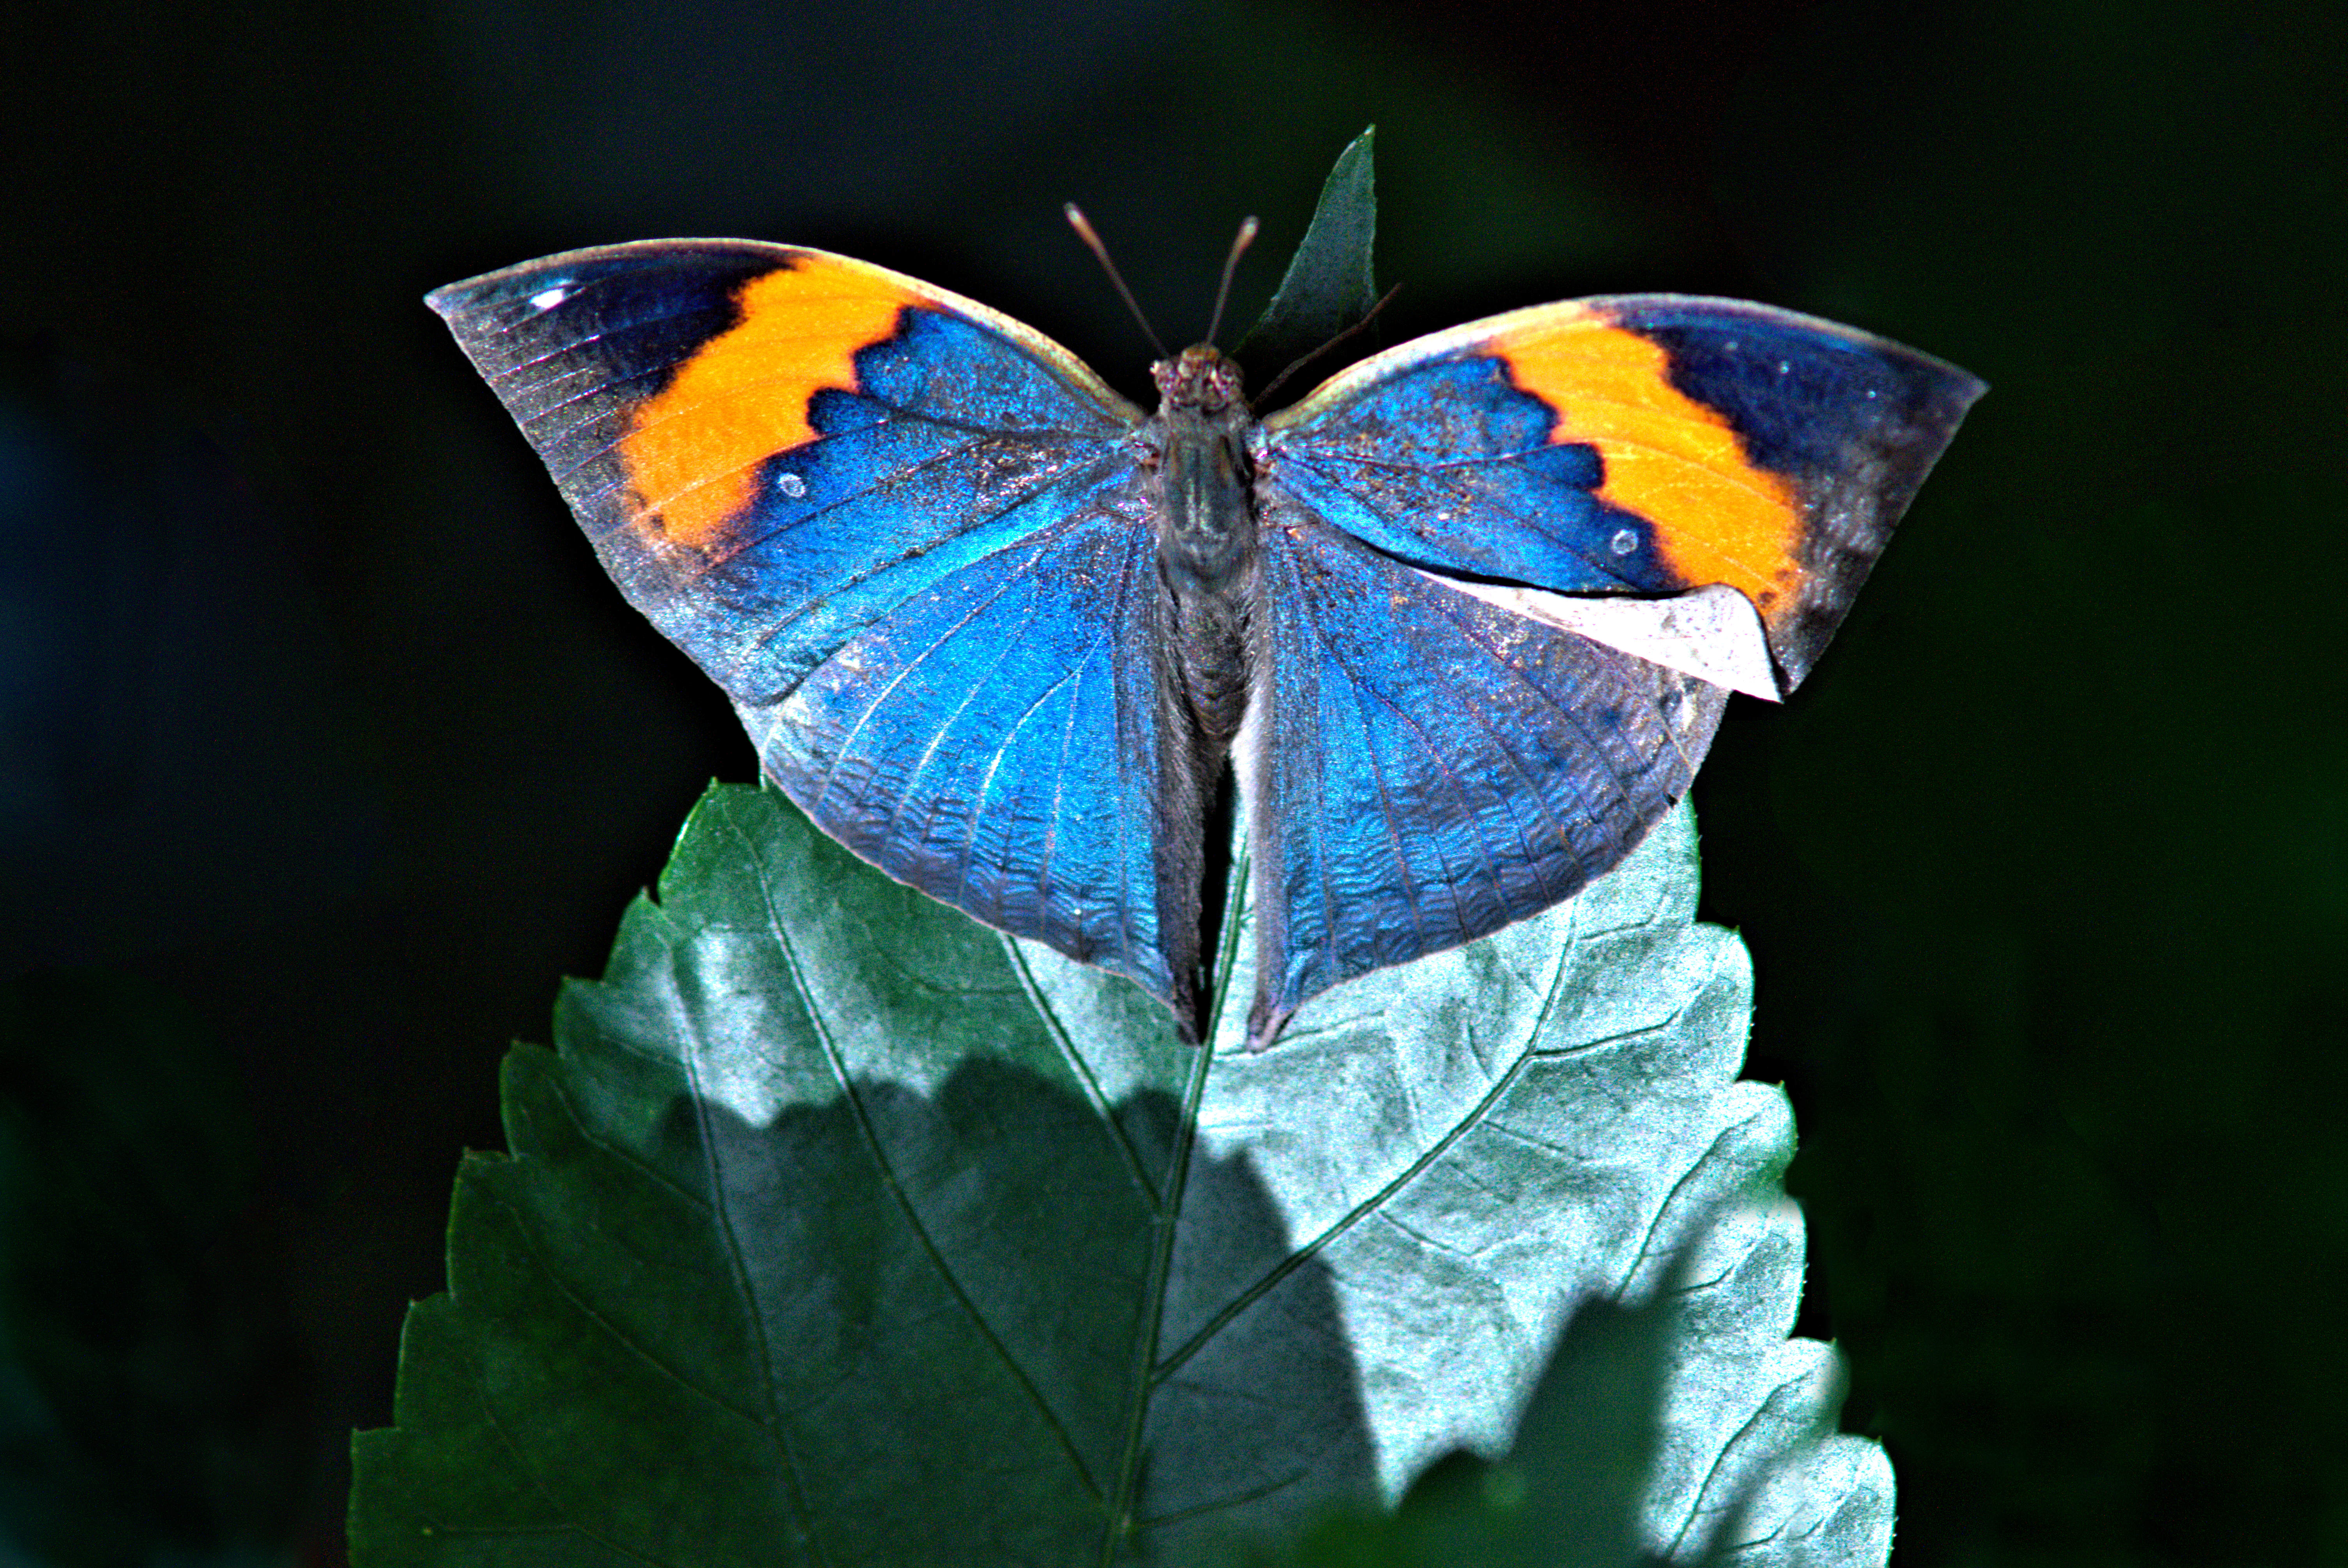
<point>1206,528</point>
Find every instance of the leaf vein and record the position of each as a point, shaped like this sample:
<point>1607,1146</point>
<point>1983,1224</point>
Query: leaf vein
<point>854,1100</point>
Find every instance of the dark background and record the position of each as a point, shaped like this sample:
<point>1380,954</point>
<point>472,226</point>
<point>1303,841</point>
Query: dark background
<point>325,748</point>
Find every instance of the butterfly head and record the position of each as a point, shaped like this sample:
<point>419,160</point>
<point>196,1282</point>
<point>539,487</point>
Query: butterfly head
<point>1201,379</point>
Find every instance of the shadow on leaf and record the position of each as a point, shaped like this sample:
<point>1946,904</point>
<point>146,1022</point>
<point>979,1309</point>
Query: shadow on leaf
<point>896,1327</point>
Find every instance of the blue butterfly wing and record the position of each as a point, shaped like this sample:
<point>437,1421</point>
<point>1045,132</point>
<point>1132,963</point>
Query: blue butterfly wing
<point>1423,768</point>
<point>996,743</point>
<point>898,528</point>
<point>1637,444</point>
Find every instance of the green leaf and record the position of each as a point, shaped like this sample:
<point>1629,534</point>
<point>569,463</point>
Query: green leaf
<point>1330,284</point>
<point>841,1230</point>
<point>1568,1491</point>
<point>1575,1489</point>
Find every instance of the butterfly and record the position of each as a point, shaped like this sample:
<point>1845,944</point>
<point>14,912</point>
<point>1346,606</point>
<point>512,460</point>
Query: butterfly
<point>1460,623</point>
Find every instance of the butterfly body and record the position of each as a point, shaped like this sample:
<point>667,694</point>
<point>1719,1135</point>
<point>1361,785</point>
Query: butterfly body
<point>1463,619</point>
<point>1200,476</point>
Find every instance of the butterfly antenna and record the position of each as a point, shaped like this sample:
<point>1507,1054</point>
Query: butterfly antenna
<point>1297,364</point>
<point>1240,243</point>
<point>1084,229</point>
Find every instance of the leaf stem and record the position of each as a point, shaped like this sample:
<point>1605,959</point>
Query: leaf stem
<point>1166,1216</point>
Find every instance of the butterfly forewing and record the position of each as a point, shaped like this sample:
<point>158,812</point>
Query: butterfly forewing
<point>1640,443</point>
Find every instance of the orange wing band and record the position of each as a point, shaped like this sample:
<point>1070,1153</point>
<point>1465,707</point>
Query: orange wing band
<point>692,451</point>
<point>1669,458</point>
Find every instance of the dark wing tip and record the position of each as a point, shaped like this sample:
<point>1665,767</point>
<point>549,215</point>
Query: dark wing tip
<point>496,301</point>
<point>1852,421</point>
<point>1887,447</point>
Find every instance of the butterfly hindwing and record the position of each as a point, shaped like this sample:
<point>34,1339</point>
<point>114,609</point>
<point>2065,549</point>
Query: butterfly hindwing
<point>1636,444</point>
<point>996,744</point>
<point>1423,768</point>
<point>899,530</point>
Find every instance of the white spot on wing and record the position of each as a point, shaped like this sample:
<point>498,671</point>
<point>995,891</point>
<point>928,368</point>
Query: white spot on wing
<point>547,299</point>
<point>1713,633</point>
